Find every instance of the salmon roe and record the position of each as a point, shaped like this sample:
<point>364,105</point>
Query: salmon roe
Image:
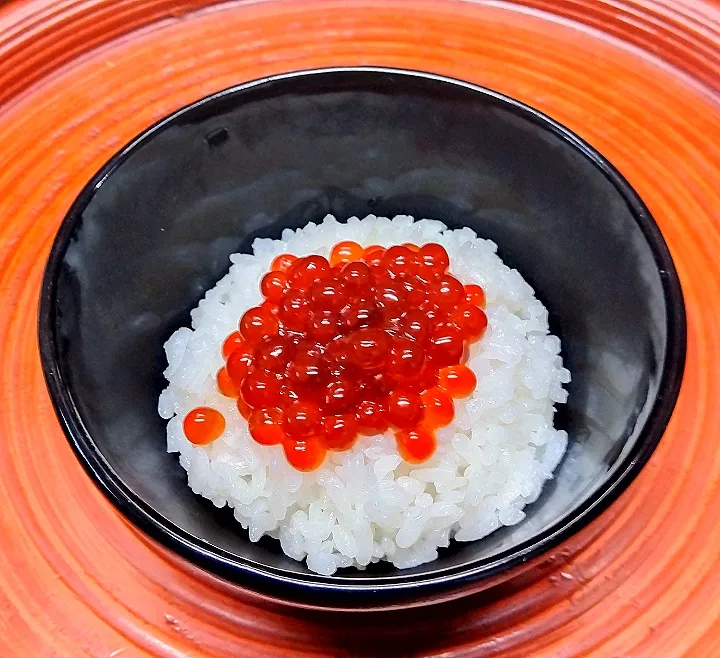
<point>368,340</point>
<point>203,425</point>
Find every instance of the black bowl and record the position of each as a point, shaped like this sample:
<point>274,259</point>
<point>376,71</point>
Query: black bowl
<point>154,228</point>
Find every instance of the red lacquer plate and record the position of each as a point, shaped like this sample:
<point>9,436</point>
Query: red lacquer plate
<point>640,80</point>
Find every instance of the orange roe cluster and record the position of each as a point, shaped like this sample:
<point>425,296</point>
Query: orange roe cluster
<point>372,339</point>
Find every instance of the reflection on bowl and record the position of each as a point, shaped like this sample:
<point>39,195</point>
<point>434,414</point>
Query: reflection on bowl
<point>153,230</point>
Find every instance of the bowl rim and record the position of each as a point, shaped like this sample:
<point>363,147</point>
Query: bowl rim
<point>314,590</point>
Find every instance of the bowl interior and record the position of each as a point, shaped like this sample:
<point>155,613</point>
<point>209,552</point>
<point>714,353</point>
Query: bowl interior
<point>154,231</point>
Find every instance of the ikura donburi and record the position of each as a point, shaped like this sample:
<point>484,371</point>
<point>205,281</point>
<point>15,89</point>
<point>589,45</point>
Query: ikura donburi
<point>370,340</point>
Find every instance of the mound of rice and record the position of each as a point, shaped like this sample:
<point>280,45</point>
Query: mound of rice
<point>367,504</point>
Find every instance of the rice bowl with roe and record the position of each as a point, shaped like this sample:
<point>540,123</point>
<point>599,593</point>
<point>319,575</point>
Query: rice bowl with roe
<point>367,503</point>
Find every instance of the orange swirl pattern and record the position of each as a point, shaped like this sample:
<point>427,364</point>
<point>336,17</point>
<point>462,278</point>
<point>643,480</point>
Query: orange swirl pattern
<point>639,79</point>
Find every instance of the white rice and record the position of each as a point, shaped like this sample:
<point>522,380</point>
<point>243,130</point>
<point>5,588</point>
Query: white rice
<point>367,504</point>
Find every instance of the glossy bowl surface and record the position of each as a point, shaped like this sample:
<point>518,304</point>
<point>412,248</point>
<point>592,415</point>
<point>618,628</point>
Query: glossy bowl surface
<point>153,229</point>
